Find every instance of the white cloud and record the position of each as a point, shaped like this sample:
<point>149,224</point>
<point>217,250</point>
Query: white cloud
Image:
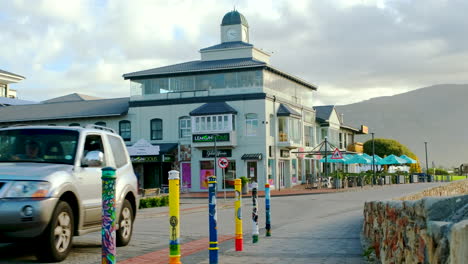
<point>352,50</point>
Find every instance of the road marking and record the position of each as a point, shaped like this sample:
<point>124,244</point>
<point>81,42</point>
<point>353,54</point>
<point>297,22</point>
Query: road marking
<point>162,256</point>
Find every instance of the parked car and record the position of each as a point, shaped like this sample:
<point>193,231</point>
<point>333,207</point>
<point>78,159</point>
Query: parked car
<point>50,185</point>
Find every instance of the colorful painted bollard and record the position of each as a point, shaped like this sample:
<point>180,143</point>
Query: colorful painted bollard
<point>108,216</point>
<point>213,248</point>
<point>254,213</point>
<point>267,210</point>
<point>238,214</point>
<point>174,216</point>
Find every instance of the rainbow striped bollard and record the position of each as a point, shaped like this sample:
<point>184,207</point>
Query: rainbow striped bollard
<point>108,216</point>
<point>174,230</point>
<point>213,248</point>
<point>267,210</point>
<point>238,214</point>
<point>254,213</point>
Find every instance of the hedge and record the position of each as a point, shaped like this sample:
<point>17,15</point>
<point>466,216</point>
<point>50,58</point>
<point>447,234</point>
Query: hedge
<point>157,201</point>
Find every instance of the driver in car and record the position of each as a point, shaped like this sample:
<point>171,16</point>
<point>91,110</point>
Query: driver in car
<point>31,152</point>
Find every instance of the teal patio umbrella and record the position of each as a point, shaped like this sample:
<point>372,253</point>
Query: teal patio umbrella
<point>408,159</point>
<point>393,160</point>
<point>359,159</point>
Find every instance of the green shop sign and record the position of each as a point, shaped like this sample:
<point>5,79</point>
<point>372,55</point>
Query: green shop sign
<point>147,159</point>
<point>210,138</point>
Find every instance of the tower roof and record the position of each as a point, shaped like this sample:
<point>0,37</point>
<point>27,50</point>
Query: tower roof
<point>234,18</point>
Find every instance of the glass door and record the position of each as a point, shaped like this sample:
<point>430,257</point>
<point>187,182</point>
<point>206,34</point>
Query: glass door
<point>252,171</point>
<point>281,173</point>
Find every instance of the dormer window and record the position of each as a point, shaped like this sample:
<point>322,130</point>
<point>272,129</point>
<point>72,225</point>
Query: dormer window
<point>213,117</point>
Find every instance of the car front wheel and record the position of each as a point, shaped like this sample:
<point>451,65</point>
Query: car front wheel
<point>56,241</point>
<point>124,233</point>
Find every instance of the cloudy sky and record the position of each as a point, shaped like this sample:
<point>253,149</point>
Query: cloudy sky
<point>351,49</point>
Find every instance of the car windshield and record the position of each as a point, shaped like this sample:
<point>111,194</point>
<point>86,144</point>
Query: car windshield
<point>38,145</point>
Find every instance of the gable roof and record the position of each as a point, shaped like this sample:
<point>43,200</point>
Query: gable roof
<point>284,110</point>
<point>213,109</point>
<point>228,45</point>
<point>323,113</point>
<point>197,66</point>
<point>64,110</point>
<point>71,97</point>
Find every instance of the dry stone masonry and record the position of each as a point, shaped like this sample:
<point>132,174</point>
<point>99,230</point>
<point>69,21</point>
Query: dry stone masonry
<point>415,230</point>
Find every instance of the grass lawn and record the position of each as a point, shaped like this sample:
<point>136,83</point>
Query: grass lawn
<point>452,178</point>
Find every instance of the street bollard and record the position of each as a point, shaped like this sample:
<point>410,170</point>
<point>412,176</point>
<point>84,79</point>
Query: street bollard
<point>213,248</point>
<point>238,214</point>
<point>267,210</point>
<point>108,216</point>
<point>174,216</point>
<point>254,213</point>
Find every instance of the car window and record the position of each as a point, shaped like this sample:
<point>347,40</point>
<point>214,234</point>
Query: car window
<point>38,145</point>
<point>118,151</point>
<point>93,143</point>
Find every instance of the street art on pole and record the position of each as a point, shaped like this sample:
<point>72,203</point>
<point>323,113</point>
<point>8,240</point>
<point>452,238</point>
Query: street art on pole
<point>238,214</point>
<point>254,213</point>
<point>267,210</point>
<point>213,248</point>
<point>174,216</point>
<point>108,237</point>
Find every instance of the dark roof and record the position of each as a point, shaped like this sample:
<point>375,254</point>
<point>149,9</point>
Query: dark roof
<point>228,45</point>
<point>5,101</point>
<point>198,66</point>
<point>64,110</point>
<point>10,73</point>
<point>322,113</point>
<point>213,109</point>
<point>71,97</point>
<point>234,18</point>
<point>253,156</point>
<point>285,110</point>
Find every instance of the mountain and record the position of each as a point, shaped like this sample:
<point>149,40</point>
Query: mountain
<point>436,114</point>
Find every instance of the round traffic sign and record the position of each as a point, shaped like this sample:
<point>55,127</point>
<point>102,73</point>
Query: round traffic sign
<point>223,163</point>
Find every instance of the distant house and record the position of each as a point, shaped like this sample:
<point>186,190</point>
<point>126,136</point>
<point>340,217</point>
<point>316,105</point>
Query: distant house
<point>331,125</point>
<point>6,78</point>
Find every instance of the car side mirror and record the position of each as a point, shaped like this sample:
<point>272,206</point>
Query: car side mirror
<point>93,158</point>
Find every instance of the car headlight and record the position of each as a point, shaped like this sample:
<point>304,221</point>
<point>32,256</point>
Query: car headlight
<point>28,189</point>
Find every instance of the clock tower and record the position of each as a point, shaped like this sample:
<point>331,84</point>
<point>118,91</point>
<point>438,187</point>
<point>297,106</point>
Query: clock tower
<point>234,27</point>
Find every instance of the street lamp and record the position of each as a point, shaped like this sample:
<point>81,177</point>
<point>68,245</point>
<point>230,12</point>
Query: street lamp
<point>427,165</point>
<point>373,158</point>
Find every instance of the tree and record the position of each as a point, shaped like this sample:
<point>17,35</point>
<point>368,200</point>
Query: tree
<point>385,147</point>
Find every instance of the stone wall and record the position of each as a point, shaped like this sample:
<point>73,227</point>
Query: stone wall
<point>429,230</point>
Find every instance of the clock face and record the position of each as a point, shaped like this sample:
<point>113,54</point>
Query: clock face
<point>231,34</point>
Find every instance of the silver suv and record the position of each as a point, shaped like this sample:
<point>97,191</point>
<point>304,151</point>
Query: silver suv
<point>50,185</point>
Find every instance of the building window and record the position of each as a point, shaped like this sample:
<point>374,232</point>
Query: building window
<point>215,123</point>
<point>156,129</point>
<point>341,140</point>
<point>289,129</point>
<point>125,130</point>
<point>309,136</point>
<point>251,124</point>
<point>185,127</point>
<point>100,123</point>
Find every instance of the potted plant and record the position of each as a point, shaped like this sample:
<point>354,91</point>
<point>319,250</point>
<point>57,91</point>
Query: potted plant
<point>245,181</point>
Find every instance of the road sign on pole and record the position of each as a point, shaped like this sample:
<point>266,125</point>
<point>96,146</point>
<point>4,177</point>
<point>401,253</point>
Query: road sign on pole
<point>336,154</point>
<point>223,163</point>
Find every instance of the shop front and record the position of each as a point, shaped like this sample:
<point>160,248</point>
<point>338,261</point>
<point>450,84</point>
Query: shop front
<point>225,176</point>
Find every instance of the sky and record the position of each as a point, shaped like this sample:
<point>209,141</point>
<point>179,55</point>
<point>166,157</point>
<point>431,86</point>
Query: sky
<point>351,49</point>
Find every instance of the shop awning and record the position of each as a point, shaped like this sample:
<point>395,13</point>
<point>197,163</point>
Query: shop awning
<point>254,156</point>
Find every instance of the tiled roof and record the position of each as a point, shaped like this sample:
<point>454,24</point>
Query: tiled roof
<point>64,110</point>
<point>284,110</point>
<point>213,109</point>
<point>198,66</point>
<point>322,113</point>
<point>228,45</point>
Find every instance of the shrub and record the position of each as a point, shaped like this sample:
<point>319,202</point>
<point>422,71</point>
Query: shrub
<point>157,201</point>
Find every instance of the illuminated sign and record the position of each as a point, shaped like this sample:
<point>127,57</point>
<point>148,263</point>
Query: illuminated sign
<point>364,130</point>
<point>203,138</point>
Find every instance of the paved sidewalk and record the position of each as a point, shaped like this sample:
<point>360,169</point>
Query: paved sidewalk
<point>296,190</point>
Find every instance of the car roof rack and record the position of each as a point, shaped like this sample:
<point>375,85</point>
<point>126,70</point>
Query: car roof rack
<point>101,128</point>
